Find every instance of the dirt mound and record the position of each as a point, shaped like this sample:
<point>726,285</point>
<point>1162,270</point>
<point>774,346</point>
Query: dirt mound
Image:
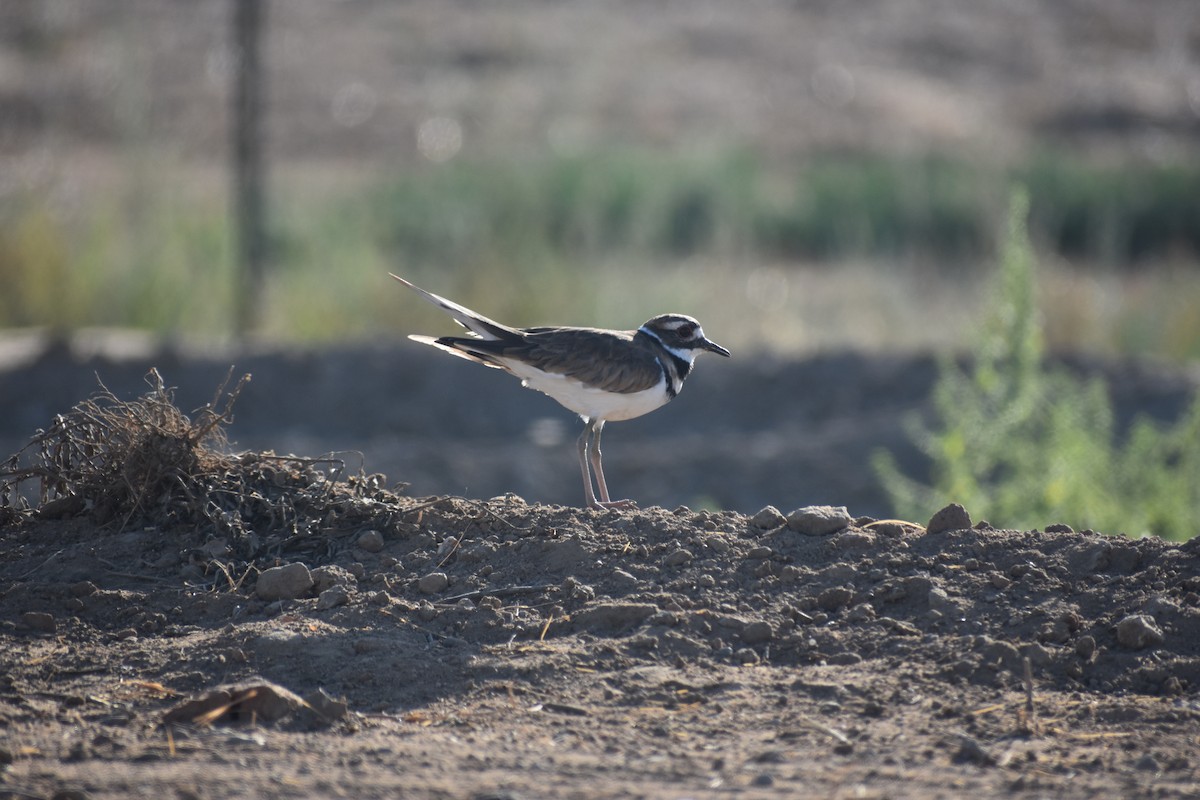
<point>698,651</point>
<point>248,624</point>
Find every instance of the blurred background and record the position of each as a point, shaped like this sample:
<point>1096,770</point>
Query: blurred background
<point>822,184</point>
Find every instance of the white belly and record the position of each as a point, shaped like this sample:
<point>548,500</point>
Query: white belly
<point>590,402</point>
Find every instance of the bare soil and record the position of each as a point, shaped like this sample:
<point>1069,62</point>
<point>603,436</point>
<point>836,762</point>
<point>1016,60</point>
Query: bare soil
<point>573,653</point>
<point>460,648</point>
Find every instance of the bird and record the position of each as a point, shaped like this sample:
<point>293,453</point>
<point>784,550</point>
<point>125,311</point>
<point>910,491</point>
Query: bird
<point>601,375</point>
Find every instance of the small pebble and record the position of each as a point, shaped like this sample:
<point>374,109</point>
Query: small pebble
<point>1138,631</point>
<point>951,518</point>
<point>433,583</point>
<point>756,632</point>
<point>678,557</point>
<point>623,580</point>
<point>371,541</point>
<point>1085,647</point>
<point>331,597</point>
<point>39,621</point>
<point>769,517</point>
<point>285,582</point>
<point>1147,763</point>
<point>819,520</point>
<point>834,598</point>
<point>83,589</point>
<point>746,655</point>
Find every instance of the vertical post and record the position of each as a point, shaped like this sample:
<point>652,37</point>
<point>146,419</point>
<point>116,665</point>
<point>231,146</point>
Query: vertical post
<point>249,193</point>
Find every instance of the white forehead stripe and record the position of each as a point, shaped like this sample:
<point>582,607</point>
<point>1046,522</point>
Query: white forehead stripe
<point>687,354</point>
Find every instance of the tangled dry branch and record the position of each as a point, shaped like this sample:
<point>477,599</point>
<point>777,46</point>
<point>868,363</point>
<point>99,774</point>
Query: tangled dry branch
<point>145,460</point>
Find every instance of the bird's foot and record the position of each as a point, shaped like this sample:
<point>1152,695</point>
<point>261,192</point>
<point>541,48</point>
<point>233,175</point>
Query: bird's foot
<point>616,505</point>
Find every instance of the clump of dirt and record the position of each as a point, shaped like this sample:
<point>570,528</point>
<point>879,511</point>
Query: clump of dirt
<point>497,648</point>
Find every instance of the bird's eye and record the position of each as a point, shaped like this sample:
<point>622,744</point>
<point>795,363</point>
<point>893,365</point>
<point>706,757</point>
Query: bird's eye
<point>686,330</point>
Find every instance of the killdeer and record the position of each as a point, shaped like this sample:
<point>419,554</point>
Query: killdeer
<point>601,375</point>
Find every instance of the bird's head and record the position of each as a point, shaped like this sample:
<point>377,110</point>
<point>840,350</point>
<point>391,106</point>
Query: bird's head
<point>682,335</point>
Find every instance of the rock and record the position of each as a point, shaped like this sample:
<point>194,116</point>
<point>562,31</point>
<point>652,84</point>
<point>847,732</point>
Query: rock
<point>838,573</point>
<point>678,557</point>
<point>1059,527</point>
<point>951,518</point>
<point>1085,647</point>
<point>834,598</point>
<point>71,794</point>
<point>328,708</point>
<point>746,655</point>
<point>433,583</point>
<point>717,543</point>
<point>83,589</point>
<point>767,518</point>
<point>572,587</point>
<point>1147,763</point>
<point>371,541</point>
<point>333,596</point>
<point>854,541</point>
<point>1004,653</point>
<point>39,621</point>
<point>1123,559</point>
<point>970,751</point>
<point>328,576</point>
<point>999,581</point>
<point>819,520</point>
<point>863,612</point>
<point>756,632</point>
<point>1138,631</point>
<point>284,583</point>
<point>623,581</point>
<point>1159,605</point>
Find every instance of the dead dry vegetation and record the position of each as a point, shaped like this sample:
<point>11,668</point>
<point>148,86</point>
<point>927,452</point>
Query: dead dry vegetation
<point>182,622</point>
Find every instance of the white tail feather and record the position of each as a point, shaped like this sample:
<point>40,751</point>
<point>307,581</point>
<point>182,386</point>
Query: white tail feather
<point>473,321</point>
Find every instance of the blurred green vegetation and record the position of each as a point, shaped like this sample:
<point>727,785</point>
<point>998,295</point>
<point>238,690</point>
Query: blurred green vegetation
<point>147,253</point>
<point>1024,446</point>
<point>829,208</point>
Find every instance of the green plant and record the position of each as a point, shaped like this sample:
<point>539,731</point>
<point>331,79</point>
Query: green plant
<point>1022,445</point>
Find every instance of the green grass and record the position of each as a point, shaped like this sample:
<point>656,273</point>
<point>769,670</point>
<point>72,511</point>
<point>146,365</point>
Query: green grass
<point>1024,446</point>
<point>859,250</point>
<point>830,208</point>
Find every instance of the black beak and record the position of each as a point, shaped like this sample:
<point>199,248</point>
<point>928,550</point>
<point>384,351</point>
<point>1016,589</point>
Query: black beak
<point>713,347</point>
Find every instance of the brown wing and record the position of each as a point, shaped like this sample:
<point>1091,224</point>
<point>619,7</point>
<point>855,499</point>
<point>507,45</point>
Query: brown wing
<point>612,359</point>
